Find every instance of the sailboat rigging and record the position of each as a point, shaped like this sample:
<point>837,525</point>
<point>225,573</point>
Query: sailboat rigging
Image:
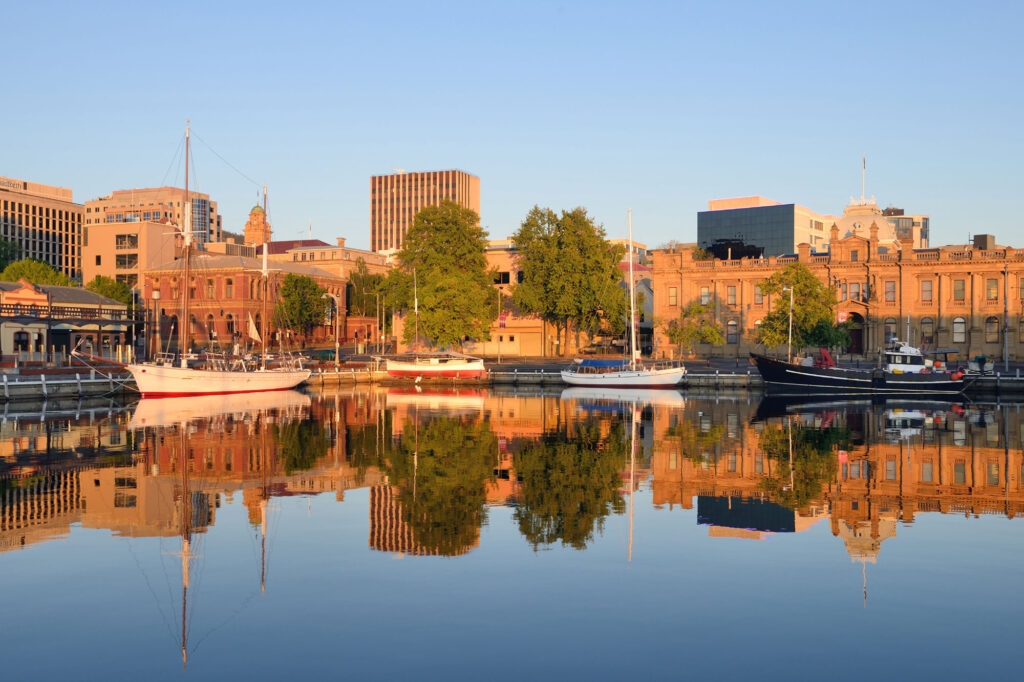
<point>155,379</point>
<point>620,373</point>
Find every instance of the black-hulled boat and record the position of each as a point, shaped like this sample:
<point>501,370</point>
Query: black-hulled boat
<point>906,370</point>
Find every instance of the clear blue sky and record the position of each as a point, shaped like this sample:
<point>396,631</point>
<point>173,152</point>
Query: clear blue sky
<point>654,106</point>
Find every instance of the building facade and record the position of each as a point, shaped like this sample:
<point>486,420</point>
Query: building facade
<point>157,204</point>
<point>961,297</point>
<point>226,291</point>
<point>735,228</point>
<point>123,251</point>
<point>396,198</point>
<point>44,222</point>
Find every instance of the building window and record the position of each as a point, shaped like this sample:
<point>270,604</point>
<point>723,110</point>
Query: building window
<point>730,332</point>
<point>890,470</point>
<point>890,329</point>
<point>960,471</point>
<point>230,325</point>
<point>209,289</point>
<point>992,289</point>
<point>731,293</point>
<point>211,329</point>
<point>854,255</point>
<point>229,288</point>
<point>843,292</point>
<point>926,472</point>
<point>992,330</point>
<point>98,259</point>
<point>673,296</point>
<point>959,330</point>
<point>959,290</point>
<point>855,291</point>
<point>927,331</point>
<point>705,295</point>
<point>926,291</point>
<point>890,292</point>
<point>993,473</point>
<point>758,295</point>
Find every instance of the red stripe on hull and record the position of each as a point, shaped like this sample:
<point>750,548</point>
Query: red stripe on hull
<point>194,393</point>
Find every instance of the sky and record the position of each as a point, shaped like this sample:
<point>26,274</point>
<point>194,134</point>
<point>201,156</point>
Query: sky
<point>657,107</point>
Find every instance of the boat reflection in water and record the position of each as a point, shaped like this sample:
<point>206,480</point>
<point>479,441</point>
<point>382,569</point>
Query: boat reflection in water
<point>438,468</point>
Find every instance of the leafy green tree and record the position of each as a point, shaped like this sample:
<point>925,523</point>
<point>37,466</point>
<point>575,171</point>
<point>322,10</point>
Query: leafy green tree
<point>9,252</point>
<point>105,286</point>
<point>363,289</point>
<point>300,443</point>
<point>696,324</point>
<point>443,255</point>
<point>302,305</point>
<point>441,468</point>
<point>570,274</point>
<point>813,462</point>
<point>569,485</point>
<point>34,271</point>
<point>813,311</point>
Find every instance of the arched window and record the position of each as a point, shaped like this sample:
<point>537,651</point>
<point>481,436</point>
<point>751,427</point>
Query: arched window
<point>927,331</point>
<point>231,325</point>
<point>959,330</point>
<point>211,329</point>
<point>229,288</point>
<point>992,330</point>
<point>890,329</point>
<point>730,332</point>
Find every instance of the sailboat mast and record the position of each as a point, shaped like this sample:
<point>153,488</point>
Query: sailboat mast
<point>632,297</point>
<point>186,230</point>
<point>266,298</point>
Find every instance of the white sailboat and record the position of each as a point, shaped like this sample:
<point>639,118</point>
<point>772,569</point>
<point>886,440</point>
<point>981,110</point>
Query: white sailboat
<point>621,373</point>
<point>158,379</point>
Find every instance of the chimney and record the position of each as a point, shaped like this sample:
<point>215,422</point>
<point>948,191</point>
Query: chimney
<point>341,242</point>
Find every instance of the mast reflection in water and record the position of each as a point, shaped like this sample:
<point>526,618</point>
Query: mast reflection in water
<point>481,482</point>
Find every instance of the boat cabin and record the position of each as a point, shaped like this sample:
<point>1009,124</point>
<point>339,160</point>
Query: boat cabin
<point>902,358</point>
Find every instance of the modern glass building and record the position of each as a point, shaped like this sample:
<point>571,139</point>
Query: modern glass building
<point>772,228</point>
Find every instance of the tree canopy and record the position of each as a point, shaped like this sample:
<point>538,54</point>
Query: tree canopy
<point>813,311</point>
<point>569,485</point>
<point>696,324</point>
<point>363,290</point>
<point>570,275</point>
<point>302,305</point>
<point>813,461</point>
<point>105,286</point>
<point>34,271</point>
<point>443,267</point>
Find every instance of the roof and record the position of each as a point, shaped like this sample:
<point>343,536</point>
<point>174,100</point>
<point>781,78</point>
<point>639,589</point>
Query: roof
<point>208,261</point>
<point>256,209</point>
<point>59,294</point>
<point>275,248</point>
<point>636,267</point>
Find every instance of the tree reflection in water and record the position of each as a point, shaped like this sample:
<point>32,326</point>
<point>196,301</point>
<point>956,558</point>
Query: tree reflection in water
<point>441,467</point>
<point>300,443</point>
<point>570,484</point>
<point>813,461</point>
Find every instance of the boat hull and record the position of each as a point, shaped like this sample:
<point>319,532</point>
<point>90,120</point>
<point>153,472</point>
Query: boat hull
<point>784,377</point>
<point>450,369</point>
<point>162,381</point>
<point>661,378</point>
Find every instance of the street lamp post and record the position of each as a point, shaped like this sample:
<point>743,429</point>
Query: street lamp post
<point>789,343</point>
<point>155,295</point>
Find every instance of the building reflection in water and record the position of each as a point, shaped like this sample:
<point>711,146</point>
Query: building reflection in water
<point>436,461</point>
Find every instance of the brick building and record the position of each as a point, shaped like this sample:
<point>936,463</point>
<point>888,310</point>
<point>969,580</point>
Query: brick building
<point>964,297</point>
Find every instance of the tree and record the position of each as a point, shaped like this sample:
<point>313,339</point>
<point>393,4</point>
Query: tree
<point>34,271</point>
<point>569,485</point>
<point>441,469</point>
<point>105,286</point>
<point>363,290</point>
<point>442,267</point>
<point>813,311</point>
<point>570,274</point>
<point>302,305</point>
<point>696,324</point>
<point>813,461</point>
<point>300,443</point>
<point>9,252</point>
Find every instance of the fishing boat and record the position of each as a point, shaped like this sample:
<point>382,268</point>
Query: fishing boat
<point>906,370</point>
<point>622,373</point>
<point>157,379</point>
<point>435,366</point>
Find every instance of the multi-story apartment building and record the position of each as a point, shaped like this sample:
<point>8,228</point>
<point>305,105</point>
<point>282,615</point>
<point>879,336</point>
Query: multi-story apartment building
<point>44,222</point>
<point>914,227</point>
<point>156,204</point>
<point>964,297</point>
<point>396,198</point>
<point>124,251</point>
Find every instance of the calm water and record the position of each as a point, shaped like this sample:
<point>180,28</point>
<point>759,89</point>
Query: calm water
<point>392,533</point>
